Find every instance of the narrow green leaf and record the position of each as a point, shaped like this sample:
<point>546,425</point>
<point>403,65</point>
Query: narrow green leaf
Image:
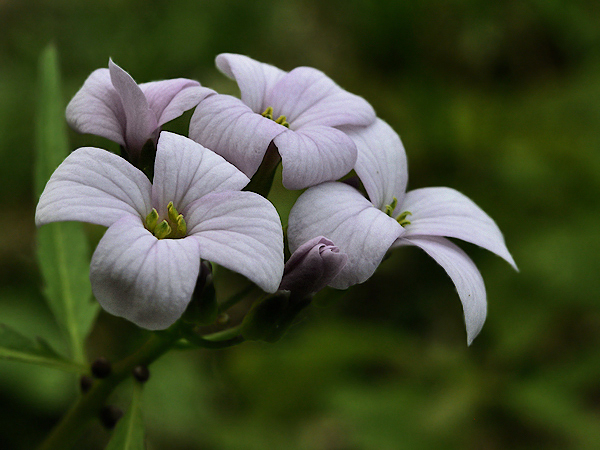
<point>50,126</point>
<point>129,433</point>
<point>63,252</point>
<point>17,347</point>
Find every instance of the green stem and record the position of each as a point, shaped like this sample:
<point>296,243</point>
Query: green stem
<point>221,339</point>
<point>224,335</point>
<point>88,406</point>
<point>236,298</point>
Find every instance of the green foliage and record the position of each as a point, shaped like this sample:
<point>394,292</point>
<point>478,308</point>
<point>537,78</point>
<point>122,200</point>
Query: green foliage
<point>50,129</point>
<point>62,250</point>
<point>16,347</point>
<point>129,433</point>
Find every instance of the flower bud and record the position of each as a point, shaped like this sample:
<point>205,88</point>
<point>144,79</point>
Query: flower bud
<point>141,373</point>
<point>110,415</point>
<point>101,368</point>
<point>312,266</point>
<point>85,383</point>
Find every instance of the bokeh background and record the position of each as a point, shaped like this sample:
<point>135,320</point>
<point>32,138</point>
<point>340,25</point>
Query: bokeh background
<point>500,100</point>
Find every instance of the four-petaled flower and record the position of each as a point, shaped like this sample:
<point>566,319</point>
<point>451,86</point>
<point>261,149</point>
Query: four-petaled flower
<point>366,229</point>
<point>146,265</point>
<point>300,112</point>
<point>112,105</point>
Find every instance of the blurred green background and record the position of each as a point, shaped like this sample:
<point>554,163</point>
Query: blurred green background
<point>499,100</point>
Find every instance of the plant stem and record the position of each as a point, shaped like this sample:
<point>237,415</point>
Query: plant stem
<point>88,406</point>
<point>236,298</point>
<point>221,339</point>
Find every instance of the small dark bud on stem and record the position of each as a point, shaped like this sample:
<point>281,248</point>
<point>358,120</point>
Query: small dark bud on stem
<point>223,318</point>
<point>101,368</point>
<point>141,373</point>
<point>85,383</point>
<point>110,415</point>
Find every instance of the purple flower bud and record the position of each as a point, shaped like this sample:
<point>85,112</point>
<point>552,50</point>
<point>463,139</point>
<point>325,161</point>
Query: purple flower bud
<point>312,266</point>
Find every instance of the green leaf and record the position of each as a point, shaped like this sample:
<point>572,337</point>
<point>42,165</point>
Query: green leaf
<point>50,126</point>
<point>17,347</point>
<point>129,433</point>
<point>63,251</point>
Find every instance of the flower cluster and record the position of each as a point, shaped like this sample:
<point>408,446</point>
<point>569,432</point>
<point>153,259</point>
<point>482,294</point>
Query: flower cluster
<point>172,201</point>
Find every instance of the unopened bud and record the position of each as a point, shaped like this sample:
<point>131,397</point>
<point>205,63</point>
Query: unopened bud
<point>110,415</point>
<point>312,266</point>
<point>141,373</point>
<point>101,368</point>
<point>85,383</point>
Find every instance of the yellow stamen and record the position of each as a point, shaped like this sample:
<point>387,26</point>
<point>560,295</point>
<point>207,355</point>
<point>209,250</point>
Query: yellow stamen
<point>281,120</point>
<point>402,218</point>
<point>162,230</point>
<point>152,220</point>
<point>389,209</point>
<point>268,113</point>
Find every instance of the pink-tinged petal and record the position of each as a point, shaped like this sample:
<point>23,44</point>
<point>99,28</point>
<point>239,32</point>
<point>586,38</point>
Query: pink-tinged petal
<point>169,99</point>
<point>381,163</point>
<point>97,108</point>
<point>228,127</point>
<point>185,171</point>
<point>306,96</point>
<point>464,275</point>
<point>344,216</point>
<point>255,79</point>
<point>441,211</point>
<point>141,121</point>
<point>146,280</point>
<point>313,155</point>
<point>312,266</point>
<point>95,186</point>
<point>240,231</point>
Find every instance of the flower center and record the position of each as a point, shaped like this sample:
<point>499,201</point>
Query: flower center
<point>281,120</point>
<point>173,227</point>
<point>389,210</point>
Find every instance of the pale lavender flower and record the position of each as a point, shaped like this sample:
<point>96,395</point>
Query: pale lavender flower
<point>365,229</point>
<point>146,265</point>
<point>112,105</point>
<point>299,111</point>
<point>312,266</point>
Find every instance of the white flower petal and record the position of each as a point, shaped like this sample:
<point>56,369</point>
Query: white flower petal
<point>185,171</point>
<point>169,99</point>
<point>381,162</point>
<point>340,213</point>
<point>95,186</point>
<point>240,231</point>
<point>442,211</point>
<point>143,279</point>
<point>97,108</point>
<point>313,155</point>
<point>141,121</point>
<point>306,96</point>
<point>464,275</point>
<point>255,79</point>
<point>228,127</point>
